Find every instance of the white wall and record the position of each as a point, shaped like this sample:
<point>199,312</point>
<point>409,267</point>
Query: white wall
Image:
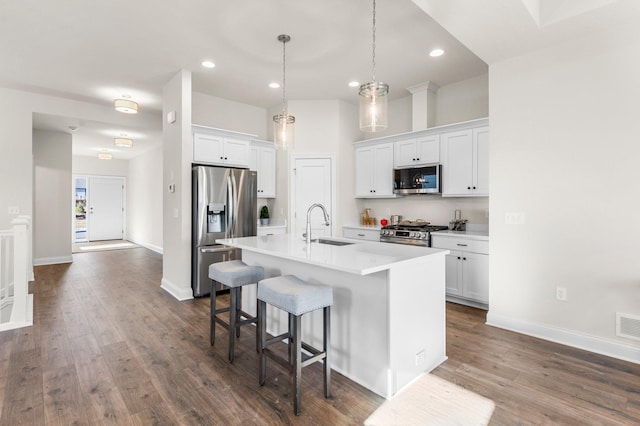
<point>144,200</point>
<point>93,166</point>
<point>216,112</point>
<point>52,224</point>
<point>463,101</point>
<point>176,207</point>
<point>564,151</point>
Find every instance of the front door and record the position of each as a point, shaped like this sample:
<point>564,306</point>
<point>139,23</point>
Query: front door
<point>106,208</point>
<point>312,182</point>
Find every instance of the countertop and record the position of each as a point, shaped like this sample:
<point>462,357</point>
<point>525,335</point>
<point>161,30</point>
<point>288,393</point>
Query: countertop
<point>361,257</point>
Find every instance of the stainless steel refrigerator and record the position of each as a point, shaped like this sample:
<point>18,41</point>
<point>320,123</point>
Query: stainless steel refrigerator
<point>224,206</point>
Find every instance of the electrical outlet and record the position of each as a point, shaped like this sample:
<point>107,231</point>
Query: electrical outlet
<point>514,218</point>
<point>420,358</point>
<point>561,293</point>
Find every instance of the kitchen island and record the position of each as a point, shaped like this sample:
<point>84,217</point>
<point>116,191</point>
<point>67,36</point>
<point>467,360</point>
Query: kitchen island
<point>388,316</point>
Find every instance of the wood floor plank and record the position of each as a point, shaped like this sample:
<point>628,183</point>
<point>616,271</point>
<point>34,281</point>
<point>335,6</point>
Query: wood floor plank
<point>109,346</point>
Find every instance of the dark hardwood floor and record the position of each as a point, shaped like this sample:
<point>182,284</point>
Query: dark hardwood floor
<point>108,346</point>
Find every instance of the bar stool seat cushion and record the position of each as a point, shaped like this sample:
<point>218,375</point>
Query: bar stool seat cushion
<point>235,273</point>
<point>293,295</point>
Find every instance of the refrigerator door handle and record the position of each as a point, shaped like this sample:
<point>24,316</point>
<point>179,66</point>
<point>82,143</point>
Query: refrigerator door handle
<point>231,208</point>
<point>236,202</point>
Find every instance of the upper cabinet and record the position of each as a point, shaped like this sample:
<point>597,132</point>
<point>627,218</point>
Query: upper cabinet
<point>220,147</point>
<point>465,162</point>
<point>262,159</point>
<point>414,152</point>
<point>374,171</point>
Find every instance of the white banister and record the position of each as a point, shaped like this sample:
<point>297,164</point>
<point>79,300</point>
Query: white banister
<point>15,272</point>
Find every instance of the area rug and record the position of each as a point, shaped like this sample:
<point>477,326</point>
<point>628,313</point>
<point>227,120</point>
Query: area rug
<point>431,400</point>
<point>103,245</point>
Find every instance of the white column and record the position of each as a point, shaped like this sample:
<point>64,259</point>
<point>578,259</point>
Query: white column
<point>423,105</point>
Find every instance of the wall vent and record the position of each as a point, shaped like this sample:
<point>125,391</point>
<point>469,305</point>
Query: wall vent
<point>628,326</point>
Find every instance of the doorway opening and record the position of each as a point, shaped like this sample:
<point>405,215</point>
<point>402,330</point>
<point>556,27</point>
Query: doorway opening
<point>98,208</point>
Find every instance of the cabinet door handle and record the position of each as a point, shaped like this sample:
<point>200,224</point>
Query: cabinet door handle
<point>222,158</point>
<point>474,187</point>
<point>468,187</point>
<point>461,245</point>
<point>360,235</point>
<point>417,159</point>
<point>464,258</point>
<point>458,257</point>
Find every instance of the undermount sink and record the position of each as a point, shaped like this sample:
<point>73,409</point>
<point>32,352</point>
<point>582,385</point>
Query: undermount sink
<point>331,242</point>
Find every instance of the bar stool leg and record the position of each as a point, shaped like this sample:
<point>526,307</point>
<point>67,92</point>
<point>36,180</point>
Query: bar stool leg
<point>291,318</point>
<point>262,319</point>
<point>326,313</point>
<point>233,292</point>
<point>297,362</point>
<point>238,309</point>
<point>212,333</point>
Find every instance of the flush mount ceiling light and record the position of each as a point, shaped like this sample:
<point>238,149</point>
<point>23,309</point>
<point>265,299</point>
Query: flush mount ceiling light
<point>105,156</point>
<point>283,122</point>
<point>208,64</point>
<point>436,52</point>
<point>126,105</point>
<point>373,95</point>
<point>124,142</point>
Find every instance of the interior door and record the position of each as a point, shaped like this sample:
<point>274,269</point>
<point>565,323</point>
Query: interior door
<point>312,183</point>
<point>106,208</point>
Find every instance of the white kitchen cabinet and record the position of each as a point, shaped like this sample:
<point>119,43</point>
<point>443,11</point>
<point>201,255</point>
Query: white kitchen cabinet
<point>262,159</point>
<point>220,147</point>
<point>467,269</point>
<point>416,152</point>
<point>356,233</point>
<point>374,171</point>
<point>465,162</point>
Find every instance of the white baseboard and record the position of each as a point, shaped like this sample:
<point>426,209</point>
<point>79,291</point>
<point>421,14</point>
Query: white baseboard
<point>52,260</point>
<point>567,337</point>
<point>149,246</point>
<point>177,292</point>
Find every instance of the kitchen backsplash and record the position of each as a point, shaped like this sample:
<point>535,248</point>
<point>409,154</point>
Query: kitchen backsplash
<point>432,208</point>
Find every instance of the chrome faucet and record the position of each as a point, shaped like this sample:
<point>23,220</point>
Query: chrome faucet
<point>307,235</point>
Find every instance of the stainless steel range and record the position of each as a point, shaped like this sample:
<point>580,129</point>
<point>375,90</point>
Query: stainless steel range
<point>417,233</point>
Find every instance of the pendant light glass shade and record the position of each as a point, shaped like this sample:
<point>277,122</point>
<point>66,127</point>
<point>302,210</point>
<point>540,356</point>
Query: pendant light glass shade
<point>373,106</point>
<point>283,130</point>
<point>283,123</point>
<point>373,95</point>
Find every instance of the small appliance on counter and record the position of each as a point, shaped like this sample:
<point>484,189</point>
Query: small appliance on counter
<point>458,224</point>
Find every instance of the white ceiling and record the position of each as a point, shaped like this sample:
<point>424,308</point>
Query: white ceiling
<point>97,51</point>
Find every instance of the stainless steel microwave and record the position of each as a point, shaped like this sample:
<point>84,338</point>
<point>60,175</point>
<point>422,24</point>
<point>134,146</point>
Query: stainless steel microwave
<point>418,180</point>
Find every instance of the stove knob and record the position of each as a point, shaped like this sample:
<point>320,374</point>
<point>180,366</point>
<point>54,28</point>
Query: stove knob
<point>413,234</point>
<point>423,235</point>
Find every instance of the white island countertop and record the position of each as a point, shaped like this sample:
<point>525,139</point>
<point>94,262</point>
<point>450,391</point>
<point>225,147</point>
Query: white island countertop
<point>359,257</point>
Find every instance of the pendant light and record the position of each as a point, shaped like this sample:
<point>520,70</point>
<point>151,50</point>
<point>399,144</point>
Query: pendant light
<point>283,122</point>
<point>373,95</point>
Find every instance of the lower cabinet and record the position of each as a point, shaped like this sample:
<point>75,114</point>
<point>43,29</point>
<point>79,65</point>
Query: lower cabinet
<point>361,234</point>
<point>467,269</point>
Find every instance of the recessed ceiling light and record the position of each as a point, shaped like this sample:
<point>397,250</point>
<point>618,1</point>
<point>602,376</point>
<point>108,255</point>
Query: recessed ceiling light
<point>274,85</point>
<point>436,52</point>
<point>354,84</point>
<point>208,64</point>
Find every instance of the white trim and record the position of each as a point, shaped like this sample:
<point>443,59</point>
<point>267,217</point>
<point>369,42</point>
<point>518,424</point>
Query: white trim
<point>29,321</point>
<point>151,247</point>
<point>177,292</point>
<point>52,260</point>
<point>567,337</point>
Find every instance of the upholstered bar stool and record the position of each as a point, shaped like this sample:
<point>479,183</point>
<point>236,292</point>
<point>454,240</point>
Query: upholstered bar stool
<point>296,297</point>
<point>234,275</point>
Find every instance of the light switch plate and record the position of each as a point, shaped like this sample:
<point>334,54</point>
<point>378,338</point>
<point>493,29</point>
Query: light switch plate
<point>514,218</point>
<point>171,117</point>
